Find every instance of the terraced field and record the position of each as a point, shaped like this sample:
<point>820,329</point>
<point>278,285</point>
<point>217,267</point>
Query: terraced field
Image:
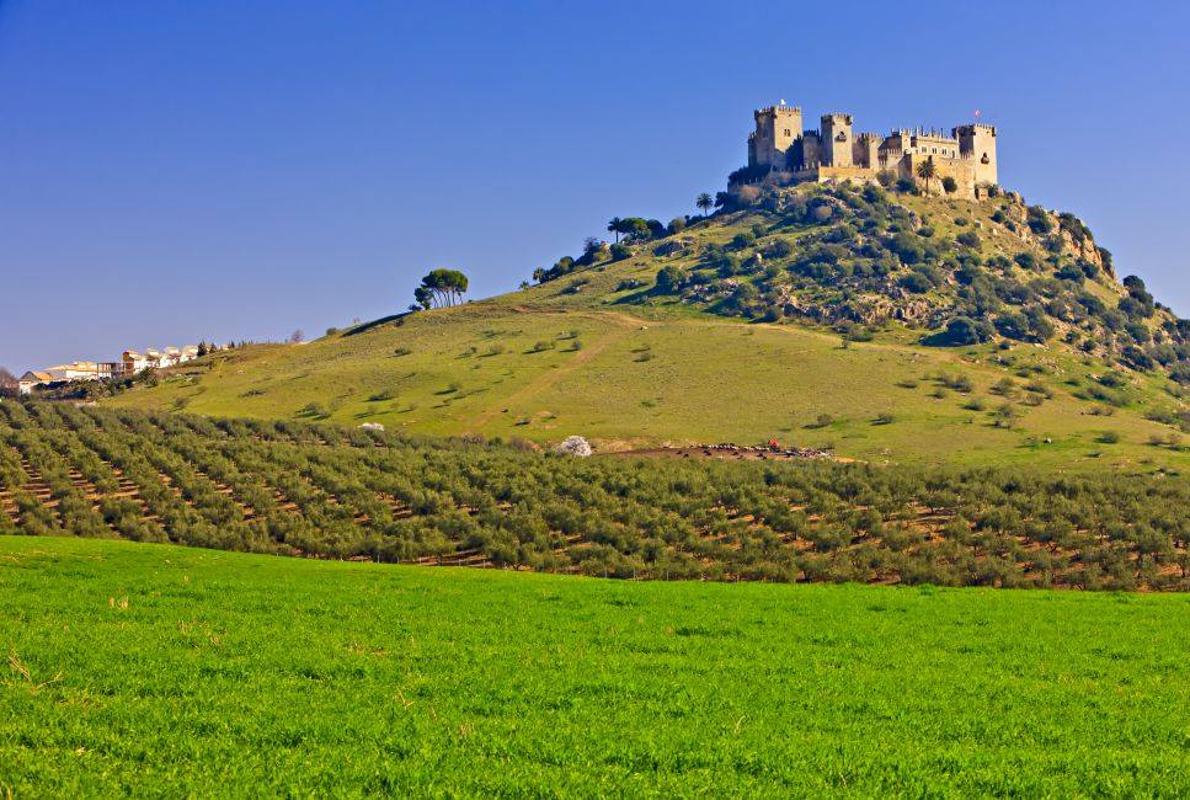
<point>320,490</point>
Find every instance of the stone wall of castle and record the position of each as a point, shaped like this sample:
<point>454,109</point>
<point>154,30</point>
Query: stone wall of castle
<point>835,152</point>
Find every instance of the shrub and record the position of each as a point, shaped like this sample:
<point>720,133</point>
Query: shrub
<point>916,282</point>
<point>670,279</point>
<point>743,240</point>
<point>968,239</point>
<point>1005,416</point>
<point>964,330</point>
<point>1039,220</point>
<point>781,248</point>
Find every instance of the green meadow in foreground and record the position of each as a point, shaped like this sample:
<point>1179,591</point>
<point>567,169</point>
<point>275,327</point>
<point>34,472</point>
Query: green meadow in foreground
<point>158,670</point>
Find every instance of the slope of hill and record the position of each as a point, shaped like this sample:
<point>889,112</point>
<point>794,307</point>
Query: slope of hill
<point>153,669</point>
<point>889,327</point>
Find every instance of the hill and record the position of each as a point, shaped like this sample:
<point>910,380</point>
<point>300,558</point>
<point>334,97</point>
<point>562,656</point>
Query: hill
<point>153,669</point>
<point>888,326</point>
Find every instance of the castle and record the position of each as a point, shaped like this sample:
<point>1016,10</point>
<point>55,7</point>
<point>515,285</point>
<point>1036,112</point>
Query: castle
<point>835,153</point>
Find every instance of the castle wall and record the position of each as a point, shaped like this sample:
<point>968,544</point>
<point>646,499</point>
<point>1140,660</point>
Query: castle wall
<point>866,151</point>
<point>810,150</point>
<point>961,169</point>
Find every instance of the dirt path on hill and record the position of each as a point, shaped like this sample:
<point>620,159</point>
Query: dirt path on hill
<point>723,453</point>
<point>623,324</point>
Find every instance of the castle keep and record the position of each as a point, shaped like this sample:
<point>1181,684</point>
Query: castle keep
<point>834,152</point>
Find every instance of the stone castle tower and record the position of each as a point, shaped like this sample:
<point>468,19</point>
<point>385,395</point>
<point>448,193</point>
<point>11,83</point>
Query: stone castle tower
<point>834,152</point>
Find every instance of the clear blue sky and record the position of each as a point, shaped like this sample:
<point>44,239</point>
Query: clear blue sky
<point>174,169</point>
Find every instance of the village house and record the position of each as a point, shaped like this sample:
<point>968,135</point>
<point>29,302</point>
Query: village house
<point>131,362</point>
<point>33,378</point>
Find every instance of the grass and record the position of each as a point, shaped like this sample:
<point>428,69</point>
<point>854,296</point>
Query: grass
<point>709,380</point>
<point>159,670</point>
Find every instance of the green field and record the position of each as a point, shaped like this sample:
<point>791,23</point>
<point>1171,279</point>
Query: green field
<point>157,670</point>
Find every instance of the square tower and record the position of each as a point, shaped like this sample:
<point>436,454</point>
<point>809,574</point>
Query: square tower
<point>836,140</point>
<point>777,128</point>
<point>978,142</point>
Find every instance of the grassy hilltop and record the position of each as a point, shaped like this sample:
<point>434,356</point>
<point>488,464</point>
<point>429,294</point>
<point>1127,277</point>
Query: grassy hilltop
<point>807,316</point>
<point>154,669</point>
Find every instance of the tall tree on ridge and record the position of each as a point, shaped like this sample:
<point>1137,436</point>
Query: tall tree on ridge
<point>441,287</point>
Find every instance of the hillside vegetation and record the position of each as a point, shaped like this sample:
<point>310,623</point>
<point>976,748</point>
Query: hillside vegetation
<point>148,669</point>
<point>889,327</point>
<point>320,490</point>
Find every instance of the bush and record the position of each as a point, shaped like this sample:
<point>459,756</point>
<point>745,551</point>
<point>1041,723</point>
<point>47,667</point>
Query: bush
<point>916,282</point>
<point>966,331</point>
<point>670,279</point>
<point>743,240</point>
<point>949,185</point>
<point>1039,221</point>
<point>968,239</point>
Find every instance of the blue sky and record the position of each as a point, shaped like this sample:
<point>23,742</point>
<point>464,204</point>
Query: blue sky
<point>172,170</point>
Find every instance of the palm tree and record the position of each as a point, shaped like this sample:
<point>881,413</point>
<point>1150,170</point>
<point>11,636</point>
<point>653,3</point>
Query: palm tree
<point>616,226</point>
<point>705,203</point>
<point>926,170</point>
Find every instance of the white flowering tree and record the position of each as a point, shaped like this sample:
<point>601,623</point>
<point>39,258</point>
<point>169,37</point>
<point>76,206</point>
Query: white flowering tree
<point>574,446</point>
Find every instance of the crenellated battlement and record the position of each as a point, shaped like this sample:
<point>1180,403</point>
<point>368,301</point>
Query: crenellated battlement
<point>778,109</point>
<point>963,158</point>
